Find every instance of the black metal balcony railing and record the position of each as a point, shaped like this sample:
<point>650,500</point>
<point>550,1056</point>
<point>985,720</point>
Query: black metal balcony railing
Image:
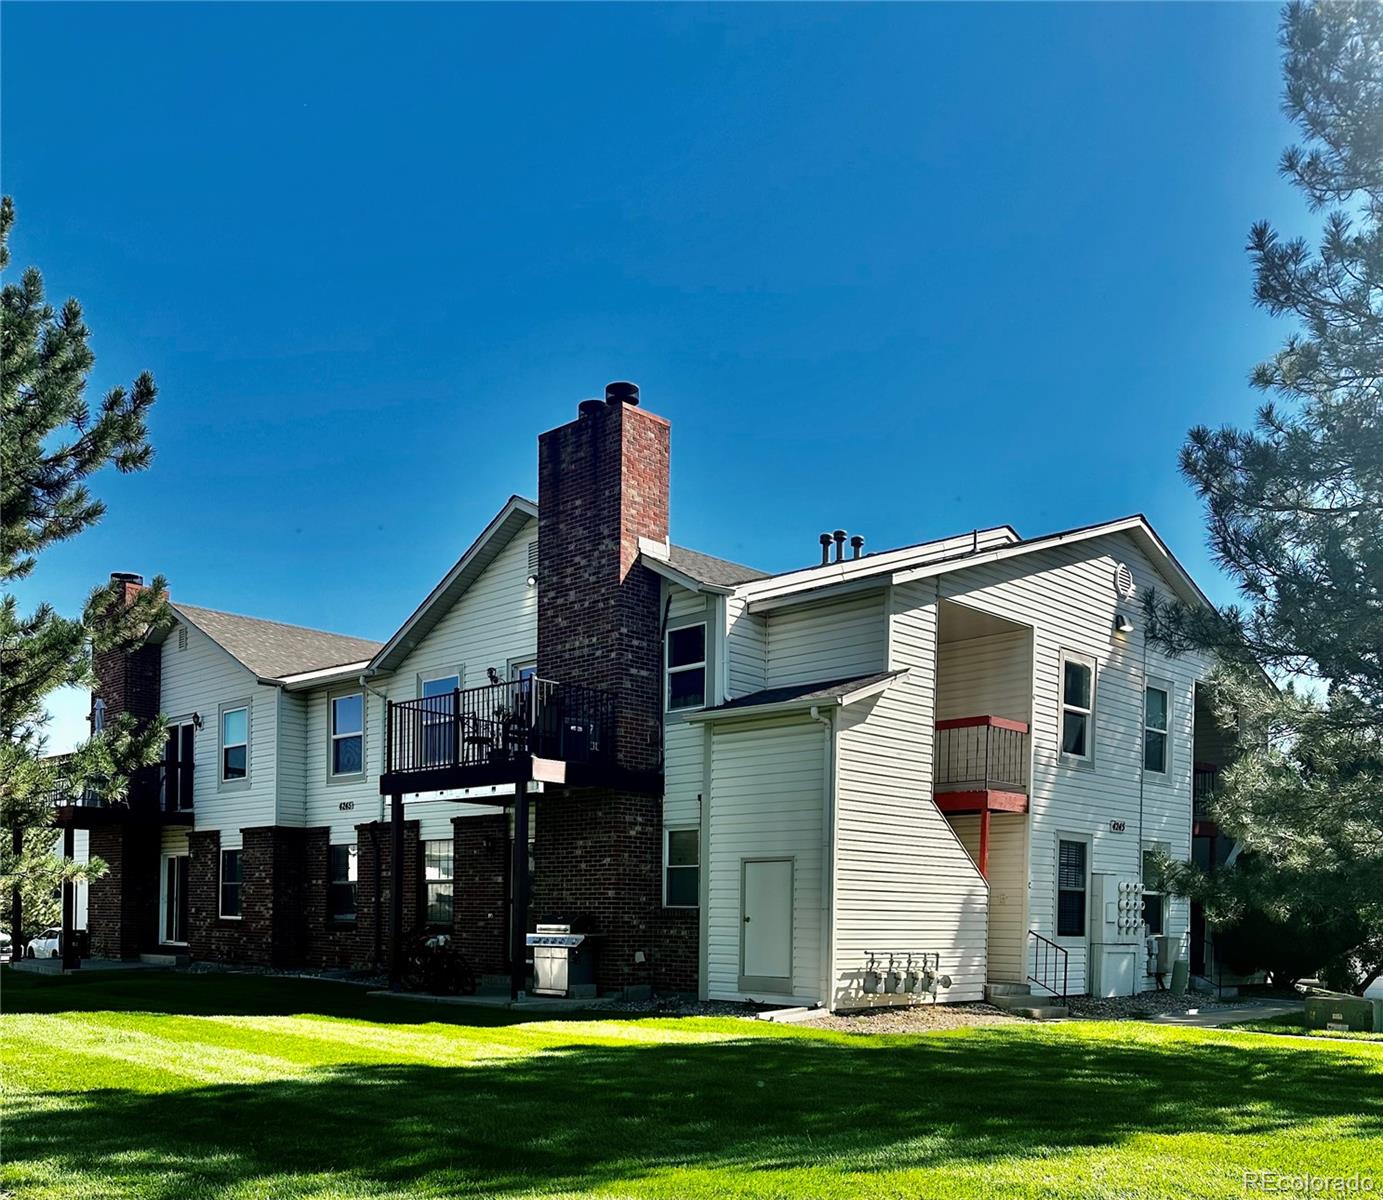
<point>501,723</point>
<point>161,788</point>
<point>981,754</point>
<point>1205,780</point>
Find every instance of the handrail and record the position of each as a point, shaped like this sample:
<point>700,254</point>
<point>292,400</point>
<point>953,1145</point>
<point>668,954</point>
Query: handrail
<point>992,722</point>
<point>982,753</point>
<point>1053,957</point>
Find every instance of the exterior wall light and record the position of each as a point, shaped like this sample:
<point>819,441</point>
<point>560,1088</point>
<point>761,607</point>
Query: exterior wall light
<point>1122,625</point>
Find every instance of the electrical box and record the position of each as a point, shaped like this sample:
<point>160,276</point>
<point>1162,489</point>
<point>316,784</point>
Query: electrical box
<point>1347,1014</point>
<point>1116,910</point>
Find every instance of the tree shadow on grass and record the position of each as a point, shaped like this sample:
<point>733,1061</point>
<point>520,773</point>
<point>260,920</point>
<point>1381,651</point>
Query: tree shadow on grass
<point>592,1116</point>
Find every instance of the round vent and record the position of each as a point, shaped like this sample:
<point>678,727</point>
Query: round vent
<point>1123,581</point>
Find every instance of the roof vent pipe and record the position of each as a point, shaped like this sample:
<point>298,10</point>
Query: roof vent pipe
<point>825,540</point>
<point>856,545</point>
<point>622,392</point>
<point>839,537</point>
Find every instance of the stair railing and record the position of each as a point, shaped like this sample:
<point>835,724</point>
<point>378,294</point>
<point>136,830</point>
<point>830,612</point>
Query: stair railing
<point>1050,963</point>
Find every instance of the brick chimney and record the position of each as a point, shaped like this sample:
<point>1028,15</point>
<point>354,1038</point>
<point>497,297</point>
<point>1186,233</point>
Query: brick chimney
<point>602,485</point>
<point>128,682</point>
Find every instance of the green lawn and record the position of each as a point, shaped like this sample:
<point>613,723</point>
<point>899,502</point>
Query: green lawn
<point>156,1085</point>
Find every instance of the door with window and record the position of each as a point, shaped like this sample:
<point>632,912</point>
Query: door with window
<point>766,925</point>
<point>177,768</point>
<point>174,899</point>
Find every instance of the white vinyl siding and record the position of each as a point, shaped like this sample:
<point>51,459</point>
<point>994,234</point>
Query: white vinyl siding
<point>903,880</point>
<point>986,676</point>
<point>836,640</point>
<point>1008,890</point>
<point>746,648</point>
<point>203,679</point>
<point>767,801</point>
<point>1066,595</point>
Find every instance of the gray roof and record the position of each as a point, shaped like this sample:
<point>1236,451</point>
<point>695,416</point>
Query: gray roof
<point>272,649</point>
<point>820,692</point>
<point>705,568</point>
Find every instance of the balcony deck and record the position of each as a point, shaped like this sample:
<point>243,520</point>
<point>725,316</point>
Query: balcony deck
<point>157,795</point>
<point>981,765</point>
<point>521,731</point>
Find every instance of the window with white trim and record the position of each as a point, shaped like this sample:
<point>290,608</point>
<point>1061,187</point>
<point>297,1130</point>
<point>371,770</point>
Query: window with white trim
<point>686,667</point>
<point>438,874</point>
<point>1154,888</point>
<point>348,734</point>
<point>235,744</point>
<point>231,881</point>
<point>681,868</point>
<point>439,719</point>
<point>1077,706</point>
<point>1156,711</point>
<point>1071,883</point>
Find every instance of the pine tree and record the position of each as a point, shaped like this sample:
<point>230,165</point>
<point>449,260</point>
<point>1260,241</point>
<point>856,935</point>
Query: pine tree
<point>51,443</point>
<point>1295,515</point>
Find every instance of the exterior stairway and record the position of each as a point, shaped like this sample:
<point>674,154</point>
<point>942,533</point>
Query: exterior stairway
<point>1018,999</point>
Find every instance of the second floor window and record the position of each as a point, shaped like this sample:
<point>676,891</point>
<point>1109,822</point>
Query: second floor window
<point>686,667</point>
<point>348,734</point>
<point>341,875</point>
<point>437,873</point>
<point>1077,706</point>
<point>1155,708</point>
<point>230,883</point>
<point>235,744</point>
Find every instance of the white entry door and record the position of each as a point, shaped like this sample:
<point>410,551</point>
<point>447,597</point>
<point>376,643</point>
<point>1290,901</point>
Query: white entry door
<point>766,925</point>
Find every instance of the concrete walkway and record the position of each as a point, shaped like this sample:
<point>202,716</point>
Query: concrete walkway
<point>53,966</point>
<point>1211,1018</point>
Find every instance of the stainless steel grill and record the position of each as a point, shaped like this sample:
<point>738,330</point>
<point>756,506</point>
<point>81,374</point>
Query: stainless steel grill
<point>563,960</point>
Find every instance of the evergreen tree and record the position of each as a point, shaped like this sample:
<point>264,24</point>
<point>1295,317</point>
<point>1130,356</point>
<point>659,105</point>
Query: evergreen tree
<point>50,444</point>
<point>1295,514</point>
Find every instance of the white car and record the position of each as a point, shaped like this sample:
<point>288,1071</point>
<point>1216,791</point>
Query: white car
<point>4,946</point>
<point>45,945</point>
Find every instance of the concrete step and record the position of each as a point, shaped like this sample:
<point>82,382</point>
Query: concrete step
<point>1010,1002</point>
<point>166,959</point>
<point>1041,1012</point>
<point>1006,989</point>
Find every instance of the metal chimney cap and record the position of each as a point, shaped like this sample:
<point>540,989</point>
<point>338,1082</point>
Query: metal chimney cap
<point>622,392</point>
<point>588,408</point>
<point>126,577</point>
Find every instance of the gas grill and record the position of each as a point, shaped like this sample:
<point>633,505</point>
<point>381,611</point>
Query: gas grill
<point>563,959</point>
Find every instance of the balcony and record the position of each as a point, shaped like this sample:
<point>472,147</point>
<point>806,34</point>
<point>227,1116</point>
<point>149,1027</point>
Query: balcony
<point>160,794</point>
<point>981,765</point>
<point>1205,782</point>
<point>514,732</point>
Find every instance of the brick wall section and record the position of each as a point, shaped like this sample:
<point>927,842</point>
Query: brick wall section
<point>122,905</point>
<point>481,891</point>
<point>211,937</point>
<point>373,906</point>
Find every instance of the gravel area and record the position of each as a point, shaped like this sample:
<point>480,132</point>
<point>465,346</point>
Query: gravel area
<point>1146,1004</point>
<point>921,1018</point>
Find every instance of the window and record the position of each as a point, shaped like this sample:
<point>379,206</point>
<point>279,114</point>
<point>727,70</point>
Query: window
<point>1070,889</point>
<point>437,872</point>
<point>1154,895</point>
<point>1155,707</point>
<point>230,883</point>
<point>686,667</point>
<point>341,871</point>
<point>1077,706</point>
<point>235,744</point>
<point>439,719</point>
<point>348,734</point>
<point>682,858</point>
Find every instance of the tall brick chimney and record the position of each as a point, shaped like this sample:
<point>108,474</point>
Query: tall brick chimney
<point>128,682</point>
<point>602,485</point>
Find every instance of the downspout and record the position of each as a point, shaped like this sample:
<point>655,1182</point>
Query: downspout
<point>828,873</point>
<point>377,889</point>
<point>364,681</point>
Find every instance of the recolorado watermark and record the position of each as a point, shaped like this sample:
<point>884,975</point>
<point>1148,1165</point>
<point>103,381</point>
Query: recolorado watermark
<point>1283,1183</point>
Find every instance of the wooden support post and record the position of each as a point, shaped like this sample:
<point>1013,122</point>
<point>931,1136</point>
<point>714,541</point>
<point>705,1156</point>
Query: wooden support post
<point>984,841</point>
<point>395,892</point>
<point>518,926</point>
<point>68,939</point>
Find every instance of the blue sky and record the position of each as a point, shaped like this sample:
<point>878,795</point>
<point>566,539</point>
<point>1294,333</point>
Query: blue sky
<point>903,270</point>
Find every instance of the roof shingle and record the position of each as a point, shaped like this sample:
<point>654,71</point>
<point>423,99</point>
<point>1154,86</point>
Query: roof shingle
<point>272,649</point>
